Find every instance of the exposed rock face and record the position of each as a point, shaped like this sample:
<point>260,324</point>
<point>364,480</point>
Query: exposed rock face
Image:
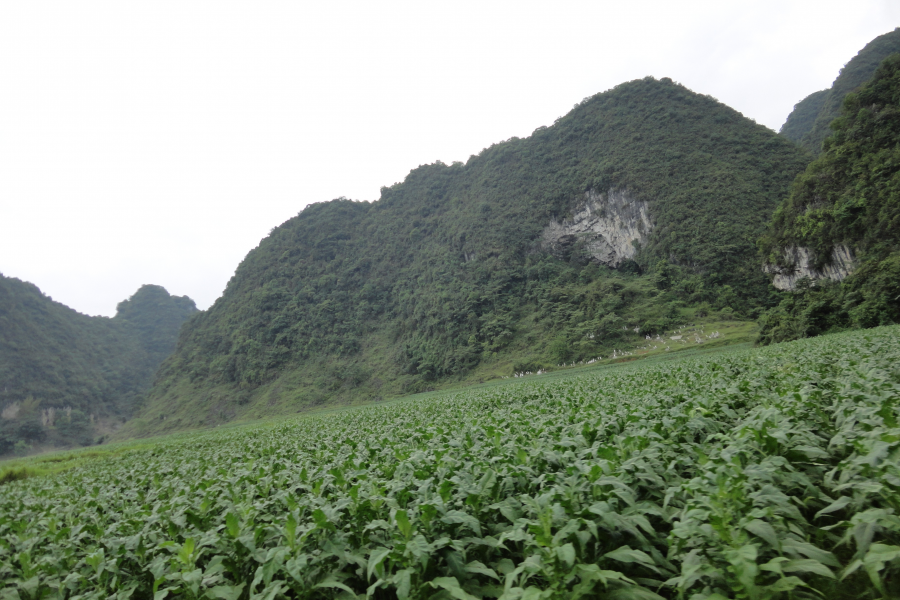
<point>800,263</point>
<point>609,225</point>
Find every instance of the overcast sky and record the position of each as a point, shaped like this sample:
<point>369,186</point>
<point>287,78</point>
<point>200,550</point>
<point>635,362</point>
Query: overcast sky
<point>158,142</point>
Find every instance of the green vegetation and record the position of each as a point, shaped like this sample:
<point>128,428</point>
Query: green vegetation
<point>155,317</point>
<point>803,117</point>
<point>445,273</point>
<point>768,473</point>
<point>850,195</point>
<point>809,123</point>
<point>65,375</point>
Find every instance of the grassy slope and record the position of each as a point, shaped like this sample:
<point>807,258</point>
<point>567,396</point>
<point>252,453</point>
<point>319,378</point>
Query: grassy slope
<point>735,336</point>
<point>291,393</point>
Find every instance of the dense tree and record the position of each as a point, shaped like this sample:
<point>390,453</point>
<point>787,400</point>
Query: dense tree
<point>850,195</point>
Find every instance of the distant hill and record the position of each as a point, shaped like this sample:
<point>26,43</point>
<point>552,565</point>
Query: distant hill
<point>54,360</point>
<point>808,124</point>
<point>642,200</point>
<point>154,317</point>
<point>842,222</point>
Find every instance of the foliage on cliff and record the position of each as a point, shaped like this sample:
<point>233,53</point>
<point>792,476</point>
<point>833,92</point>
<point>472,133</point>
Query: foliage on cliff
<point>803,117</point>
<point>849,195</point>
<point>809,123</point>
<point>52,357</point>
<point>445,272</point>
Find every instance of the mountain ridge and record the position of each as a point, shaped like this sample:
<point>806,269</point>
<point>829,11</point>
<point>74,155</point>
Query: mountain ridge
<point>445,270</point>
<point>809,122</point>
<point>56,361</point>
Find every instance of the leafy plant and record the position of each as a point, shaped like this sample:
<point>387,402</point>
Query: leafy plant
<point>768,473</point>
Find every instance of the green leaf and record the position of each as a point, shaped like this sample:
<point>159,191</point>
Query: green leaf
<point>743,560</point>
<point>785,584</point>
<point>566,555</point>
<point>533,593</point>
<point>835,506</point>
<point>479,567</point>
<point>224,592</point>
<point>875,560</point>
<point>375,559</point>
<point>631,593</point>
<point>625,554</point>
<point>331,582</point>
<point>186,552</point>
<point>589,575</point>
<point>402,580</point>
<point>792,545</point>
<point>765,531</point>
<point>452,586</point>
<point>458,517</point>
<point>270,592</point>
<point>807,565</point>
<point>290,530</point>
<point>232,525</point>
<point>403,523</point>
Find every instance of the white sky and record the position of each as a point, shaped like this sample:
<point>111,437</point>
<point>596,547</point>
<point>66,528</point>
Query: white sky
<point>158,142</point>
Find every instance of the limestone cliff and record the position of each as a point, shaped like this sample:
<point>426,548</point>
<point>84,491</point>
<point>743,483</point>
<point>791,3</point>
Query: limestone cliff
<point>799,263</point>
<point>610,226</point>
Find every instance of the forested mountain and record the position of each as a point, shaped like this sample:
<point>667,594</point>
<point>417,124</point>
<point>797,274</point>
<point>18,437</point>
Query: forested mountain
<point>154,317</point>
<point>62,372</point>
<point>641,200</point>
<point>808,124</point>
<point>844,208</point>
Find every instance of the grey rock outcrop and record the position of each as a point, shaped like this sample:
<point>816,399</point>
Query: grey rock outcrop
<point>609,225</point>
<point>800,264</point>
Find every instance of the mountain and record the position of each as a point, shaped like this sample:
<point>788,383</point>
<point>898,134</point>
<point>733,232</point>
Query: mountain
<point>808,124</point>
<point>56,362</point>
<point>154,317</point>
<point>841,222</point>
<point>642,200</point>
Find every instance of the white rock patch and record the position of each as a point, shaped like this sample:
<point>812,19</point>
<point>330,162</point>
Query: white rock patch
<point>800,263</point>
<point>609,224</point>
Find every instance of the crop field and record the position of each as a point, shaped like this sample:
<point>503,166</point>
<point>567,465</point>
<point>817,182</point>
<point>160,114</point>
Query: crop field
<point>763,473</point>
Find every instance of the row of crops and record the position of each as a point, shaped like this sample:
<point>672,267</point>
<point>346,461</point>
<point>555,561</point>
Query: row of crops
<point>770,473</point>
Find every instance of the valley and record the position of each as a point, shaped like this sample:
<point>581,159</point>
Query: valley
<point>648,352</point>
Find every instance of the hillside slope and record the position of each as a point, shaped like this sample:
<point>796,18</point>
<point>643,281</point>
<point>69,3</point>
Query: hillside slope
<point>504,258</point>
<point>809,122</point>
<point>56,360</point>
<point>842,222</point>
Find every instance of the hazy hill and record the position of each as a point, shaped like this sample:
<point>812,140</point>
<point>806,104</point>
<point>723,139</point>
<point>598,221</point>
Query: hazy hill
<point>843,217</point>
<point>808,124</point>
<point>506,257</point>
<point>52,357</point>
<point>154,317</point>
